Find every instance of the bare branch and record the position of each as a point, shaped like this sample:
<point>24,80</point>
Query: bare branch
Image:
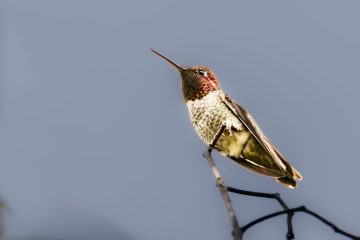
<point>238,231</point>
<point>276,196</point>
<point>300,209</point>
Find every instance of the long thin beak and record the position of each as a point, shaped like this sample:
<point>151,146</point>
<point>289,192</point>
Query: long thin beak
<point>178,67</point>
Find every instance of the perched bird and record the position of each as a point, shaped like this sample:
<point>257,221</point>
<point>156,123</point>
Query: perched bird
<point>217,117</point>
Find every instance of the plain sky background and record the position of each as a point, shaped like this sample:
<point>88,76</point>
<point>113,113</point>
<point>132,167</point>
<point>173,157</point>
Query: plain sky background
<point>95,140</point>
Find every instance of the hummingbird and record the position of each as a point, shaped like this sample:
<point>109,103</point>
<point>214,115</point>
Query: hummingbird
<point>227,127</point>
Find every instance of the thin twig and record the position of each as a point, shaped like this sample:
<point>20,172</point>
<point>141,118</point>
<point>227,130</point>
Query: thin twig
<point>290,234</point>
<point>300,209</point>
<point>237,232</point>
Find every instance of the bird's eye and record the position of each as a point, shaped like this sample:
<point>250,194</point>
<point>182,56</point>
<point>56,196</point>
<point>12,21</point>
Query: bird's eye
<point>202,73</point>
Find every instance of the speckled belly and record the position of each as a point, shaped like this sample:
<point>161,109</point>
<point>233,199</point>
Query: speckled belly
<point>208,114</point>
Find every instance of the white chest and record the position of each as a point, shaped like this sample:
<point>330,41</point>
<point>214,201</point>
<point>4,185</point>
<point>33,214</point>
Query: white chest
<point>208,114</point>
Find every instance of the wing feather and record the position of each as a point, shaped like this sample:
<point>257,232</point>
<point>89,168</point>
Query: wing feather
<point>253,128</point>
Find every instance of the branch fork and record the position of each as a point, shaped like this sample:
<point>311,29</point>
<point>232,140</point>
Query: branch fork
<point>239,231</point>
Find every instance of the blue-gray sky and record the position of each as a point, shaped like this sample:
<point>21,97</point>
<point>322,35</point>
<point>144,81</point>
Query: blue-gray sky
<point>95,140</point>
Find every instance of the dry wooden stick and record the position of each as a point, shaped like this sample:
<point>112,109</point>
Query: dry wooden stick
<point>305,210</point>
<point>239,231</point>
<point>276,196</point>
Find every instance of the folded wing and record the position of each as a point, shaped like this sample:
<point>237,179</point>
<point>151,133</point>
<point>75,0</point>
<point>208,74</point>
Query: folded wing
<point>259,154</point>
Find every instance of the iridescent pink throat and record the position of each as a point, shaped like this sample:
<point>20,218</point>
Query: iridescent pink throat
<point>193,90</point>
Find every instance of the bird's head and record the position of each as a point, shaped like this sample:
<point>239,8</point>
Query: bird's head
<point>197,81</point>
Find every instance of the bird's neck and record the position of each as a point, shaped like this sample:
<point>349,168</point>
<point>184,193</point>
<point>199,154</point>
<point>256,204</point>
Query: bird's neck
<point>195,90</point>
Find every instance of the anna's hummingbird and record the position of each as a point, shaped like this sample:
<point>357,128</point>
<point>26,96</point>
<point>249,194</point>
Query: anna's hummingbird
<point>211,111</point>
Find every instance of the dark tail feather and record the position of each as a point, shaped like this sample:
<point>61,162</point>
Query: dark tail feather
<point>287,181</point>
